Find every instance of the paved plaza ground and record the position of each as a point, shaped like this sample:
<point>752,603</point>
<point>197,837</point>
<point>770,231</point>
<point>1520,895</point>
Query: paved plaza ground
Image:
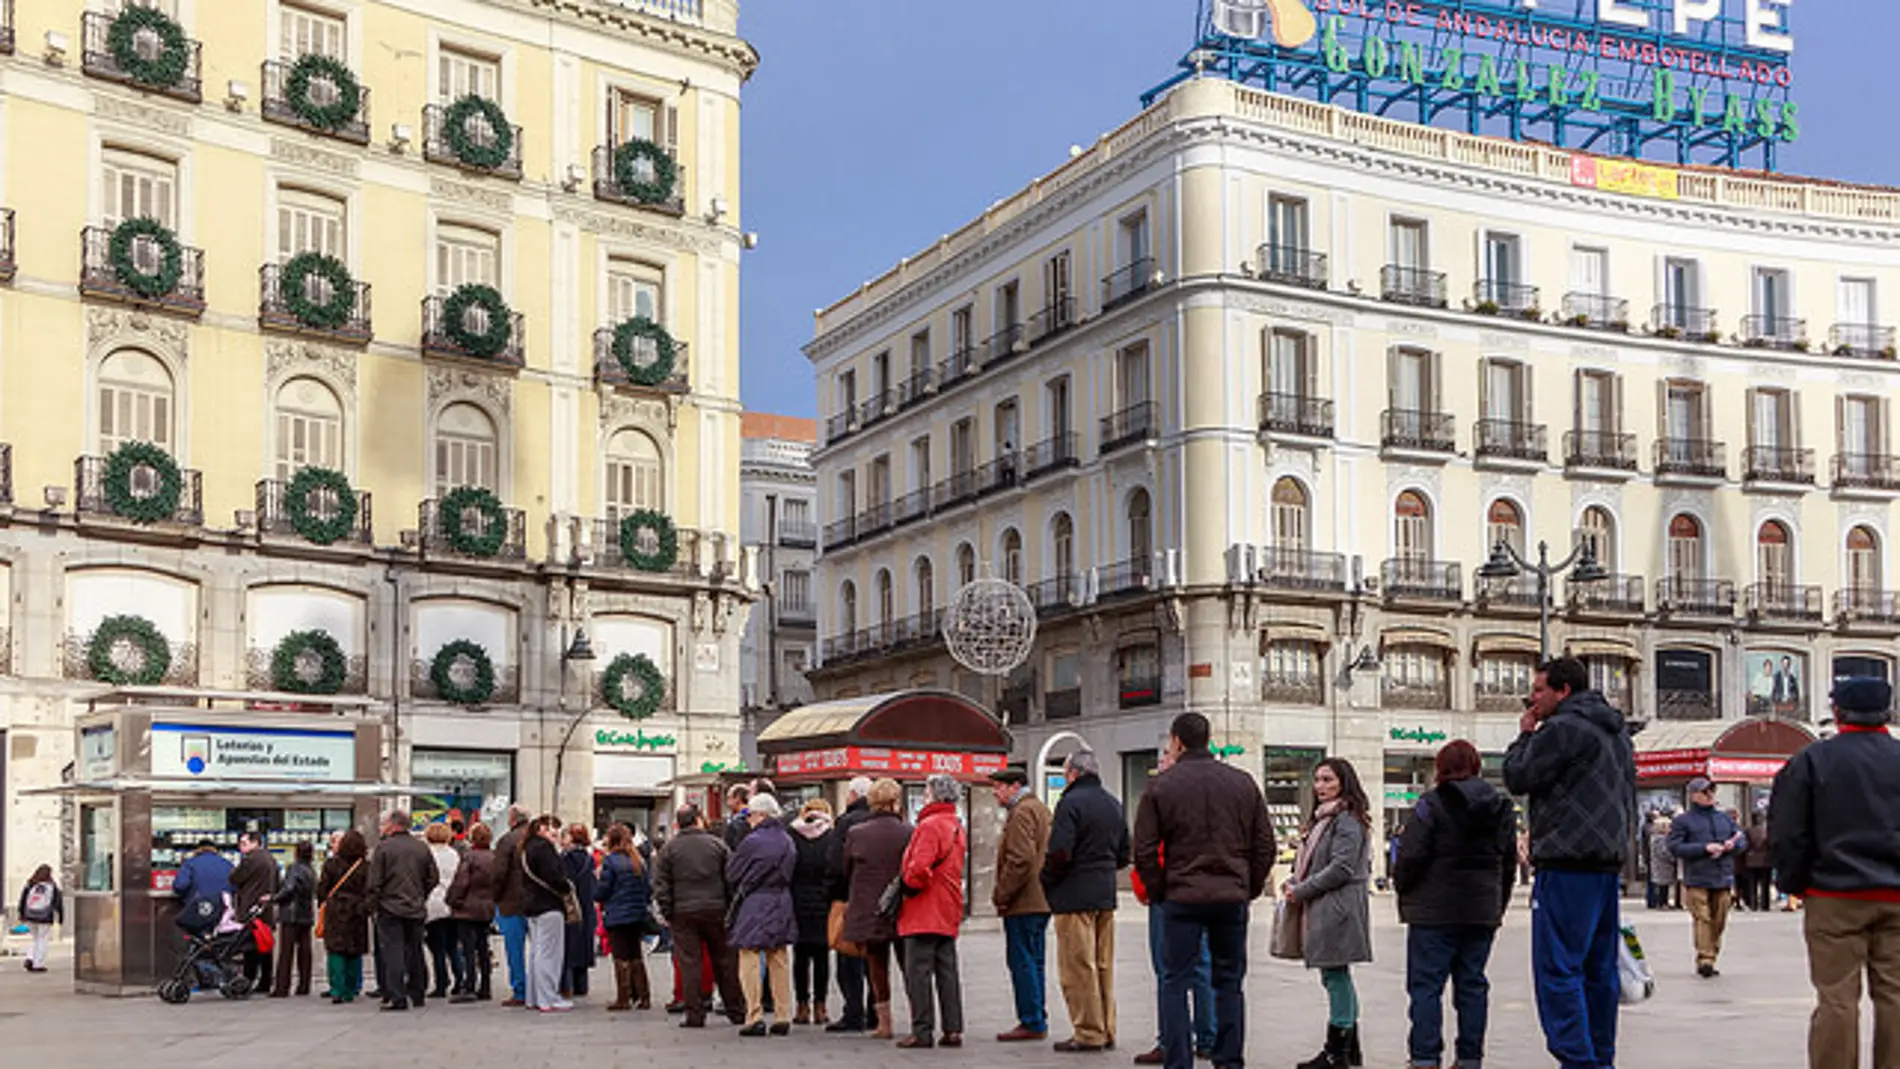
<point>1754,1016</point>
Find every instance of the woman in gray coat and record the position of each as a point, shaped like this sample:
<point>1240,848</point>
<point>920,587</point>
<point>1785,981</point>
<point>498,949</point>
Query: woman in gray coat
<point>1330,877</point>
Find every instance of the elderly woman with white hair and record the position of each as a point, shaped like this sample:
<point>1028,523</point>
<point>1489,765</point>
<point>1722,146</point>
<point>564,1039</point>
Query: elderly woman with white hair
<point>932,916</point>
<point>764,923</point>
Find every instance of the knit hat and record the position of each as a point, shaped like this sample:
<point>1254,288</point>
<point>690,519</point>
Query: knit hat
<point>1863,700</point>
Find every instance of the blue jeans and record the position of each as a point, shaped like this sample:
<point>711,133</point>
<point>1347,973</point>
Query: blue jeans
<point>1203,984</point>
<point>514,946</point>
<point>1025,943</point>
<point>1574,936</point>
<point>1433,953</point>
<point>1223,931</point>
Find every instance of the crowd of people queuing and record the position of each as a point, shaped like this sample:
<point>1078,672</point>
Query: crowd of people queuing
<point>756,908</point>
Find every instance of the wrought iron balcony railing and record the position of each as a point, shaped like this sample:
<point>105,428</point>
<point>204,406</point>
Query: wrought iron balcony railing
<point>1290,265</point>
<point>514,540</point>
<point>841,532</point>
<point>797,613</point>
<point>6,473</point>
<point>275,106</point>
<point>89,476</point>
<point>1132,424</point>
<point>1001,473</point>
<point>921,384</point>
<point>1292,413</point>
<point>1402,694</point>
<point>9,265</point>
<point>1003,344</point>
<point>507,684</point>
<point>1774,332</point>
<point>273,512</point>
<point>608,369</point>
<point>1419,578</point>
<point>1132,576</point>
<point>436,147</point>
<point>1864,340</point>
<point>956,366</point>
<point>1497,296</point>
<point>1127,283</point>
<point>97,60</point>
<point>1057,451</point>
<point>1499,696</point>
<point>1292,688</point>
<point>1684,321</point>
<point>1511,440</point>
<point>436,340</point>
<point>841,425</point>
<point>1693,457</point>
<point>699,553</point>
<point>273,310</point>
<point>1596,311</point>
<point>877,517</point>
<point>1620,594</point>
<point>955,490</point>
<point>1602,450</point>
<point>1300,569</point>
<point>1774,464</point>
<point>797,534</point>
<point>1867,605</point>
<point>1867,471</point>
<point>1518,592</point>
<point>909,508</point>
<point>99,278</point>
<point>1057,316</point>
<point>607,185</point>
<point>880,404</point>
<point>76,660</point>
<point>1425,432</point>
<point>1058,595</point>
<point>1785,601</point>
<point>1415,286</point>
<point>1695,597</point>
<point>260,670</point>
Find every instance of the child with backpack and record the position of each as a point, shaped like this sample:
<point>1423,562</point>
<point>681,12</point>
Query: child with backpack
<point>40,907</point>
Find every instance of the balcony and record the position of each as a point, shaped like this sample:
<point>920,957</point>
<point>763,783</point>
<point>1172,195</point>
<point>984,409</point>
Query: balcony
<point>879,405</point>
<point>274,313</point>
<point>1682,322</point>
<point>1056,317</point>
<point>1421,694</point>
<point>1057,451</point>
<point>607,185</point>
<point>1297,415</point>
<point>1127,577</point>
<point>840,533</point>
<point>1775,332</point>
<point>76,658</point>
<point>1874,474</point>
<point>275,106</point>
<point>1784,602</point>
<point>8,264</point>
<point>1499,696</point>
<point>1136,423</point>
<point>1595,311</point>
<point>436,148</point>
<point>260,670</point>
<point>958,488</point>
<point>514,540</point>
<point>273,514</point>
<point>1137,691</point>
<point>839,648</point>
<point>841,425</point>
<point>437,342</point>
<point>1289,265</point>
<point>1615,595</point>
<point>1417,432</point>
<point>1691,459</point>
<point>1002,473</point>
<point>1128,283</point>
<point>89,476</point>
<point>1683,596</point>
<point>1292,688</point>
<point>98,278</point>
<point>6,481</point>
<point>1055,596</point>
<point>911,507</point>
<point>1863,340</point>
<point>1003,345</point>
<point>1420,579</point>
<point>1503,297</point>
<point>507,684</point>
<point>797,534</point>
<point>1510,441</point>
<point>800,614</point>
<point>699,554</point>
<point>97,61</point>
<point>1765,464</point>
<point>1517,592</point>
<point>917,631</point>
<point>956,366</point>
<point>1880,608</point>
<point>916,389</point>
<point>609,372</point>
<point>1300,569</point>
<point>875,519</point>
<point>1604,451</point>
<point>1412,286</point>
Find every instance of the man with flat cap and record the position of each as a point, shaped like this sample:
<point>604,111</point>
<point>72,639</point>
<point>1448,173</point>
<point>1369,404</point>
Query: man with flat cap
<point>1020,901</point>
<point>1832,824</point>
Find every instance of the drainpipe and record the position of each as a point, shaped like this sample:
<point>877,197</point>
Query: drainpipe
<point>771,596</point>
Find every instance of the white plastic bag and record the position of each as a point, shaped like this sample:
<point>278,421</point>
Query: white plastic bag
<point>1632,969</point>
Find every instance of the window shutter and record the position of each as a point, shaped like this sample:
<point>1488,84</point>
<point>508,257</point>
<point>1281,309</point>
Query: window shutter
<point>1879,434</point>
<point>1526,395</point>
<point>1662,409</point>
<point>672,119</point>
<point>1576,400</point>
<point>1753,429</point>
<point>1435,381</point>
<point>1394,361</point>
<point>1840,424</point>
<point>1616,403</point>
<point>1309,364</point>
<point>1484,388</point>
<point>1794,419</point>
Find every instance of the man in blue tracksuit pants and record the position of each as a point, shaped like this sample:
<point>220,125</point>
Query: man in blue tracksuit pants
<point>1573,757</point>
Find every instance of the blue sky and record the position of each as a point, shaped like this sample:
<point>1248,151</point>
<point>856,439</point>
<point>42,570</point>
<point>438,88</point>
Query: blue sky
<point>875,126</point>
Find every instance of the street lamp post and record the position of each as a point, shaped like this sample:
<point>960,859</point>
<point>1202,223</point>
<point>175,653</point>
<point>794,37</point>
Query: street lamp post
<point>1507,563</point>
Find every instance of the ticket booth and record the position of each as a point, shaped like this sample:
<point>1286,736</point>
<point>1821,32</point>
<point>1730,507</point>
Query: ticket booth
<point>162,769</point>
<point>906,736</point>
<point>1741,757</point>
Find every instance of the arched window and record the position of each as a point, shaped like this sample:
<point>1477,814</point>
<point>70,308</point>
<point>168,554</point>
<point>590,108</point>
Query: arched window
<point>309,427</point>
<point>1013,556</point>
<point>135,401</point>
<point>926,587</point>
<point>466,449</point>
<point>886,599</point>
<point>1774,555</point>
<point>847,607</point>
<point>1140,529</point>
<point>1598,531</point>
<point>634,474</point>
<point>1685,547</point>
<point>1062,538</point>
<point>1864,580</point>
<point>966,565</point>
<point>1504,523</point>
<point>1412,527</point>
<point>1290,531</point>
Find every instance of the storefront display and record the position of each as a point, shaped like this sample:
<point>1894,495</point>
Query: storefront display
<point>1289,792</point>
<point>468,785</point>
<point>178,829</point>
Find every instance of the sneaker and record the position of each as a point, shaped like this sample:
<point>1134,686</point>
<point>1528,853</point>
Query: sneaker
<point>561,1006</point>
<point>1706,970</point>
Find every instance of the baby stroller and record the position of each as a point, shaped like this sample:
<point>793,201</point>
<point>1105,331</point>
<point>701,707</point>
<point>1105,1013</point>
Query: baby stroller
<point>216,941</point>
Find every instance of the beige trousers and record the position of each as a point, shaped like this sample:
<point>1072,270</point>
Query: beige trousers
<point>779,965</point>
<point>1710,909</point>
<point>1085,962</point>
<point>1847,938</point>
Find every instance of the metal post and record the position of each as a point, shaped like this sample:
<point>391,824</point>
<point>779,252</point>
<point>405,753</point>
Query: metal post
<point>1543,602</point>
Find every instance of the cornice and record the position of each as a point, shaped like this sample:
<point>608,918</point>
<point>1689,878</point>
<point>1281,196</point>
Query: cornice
<point>726,50</point>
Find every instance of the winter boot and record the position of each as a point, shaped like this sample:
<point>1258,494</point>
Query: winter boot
<point>642,987</point>
<point>883,1030</point>
<point>819,1014</point>
<point>1334,1056</point>
<point>804,1014</point>
<point>623,987</point>
<point>1353,1055</point>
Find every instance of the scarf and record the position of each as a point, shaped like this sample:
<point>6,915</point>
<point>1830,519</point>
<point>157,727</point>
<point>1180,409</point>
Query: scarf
<point>1323,818</point>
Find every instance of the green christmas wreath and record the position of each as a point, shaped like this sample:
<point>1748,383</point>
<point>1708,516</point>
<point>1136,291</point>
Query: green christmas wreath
<point>455,309</point>
<point>333,116</point>
<point>294,287</point>
<point>467,149</point>
<point>451,515</point>
<point>657,189</point>
<point>479,684</point>
<point>644,674</point>
<point>150,655</point>
<point>123,464</point>
<point>627,337</point>
<point>306,520</point>
<point>664,556</point>
<point>155,284</point>
<point>308,662</point>
<point>163,71</point>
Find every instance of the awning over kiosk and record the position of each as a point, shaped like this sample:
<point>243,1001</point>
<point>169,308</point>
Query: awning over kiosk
<point>1728,751</point>
<point>905,734</point>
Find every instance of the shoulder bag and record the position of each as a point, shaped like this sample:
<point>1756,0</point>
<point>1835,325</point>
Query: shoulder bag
<point>570,906</point>
<point>1287,940</point>
<point>324,908</point>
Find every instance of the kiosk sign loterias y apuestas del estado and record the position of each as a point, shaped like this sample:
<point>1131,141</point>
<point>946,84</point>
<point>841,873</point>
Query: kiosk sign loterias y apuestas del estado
<point>197,751</point>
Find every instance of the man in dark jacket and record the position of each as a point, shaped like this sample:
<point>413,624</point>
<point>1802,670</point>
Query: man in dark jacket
<point>737,827</point>
<point>1088,845</point>
<point>508,892</point>
<point>689,883</point>
<point>1707,840</point>
<point>1830,823</point>
<point>851,969</point>
<point>402,872</point>
<point>1204,849</point>
<point>296,902</point>
<point>1574,759</point>
<point>253,884</point>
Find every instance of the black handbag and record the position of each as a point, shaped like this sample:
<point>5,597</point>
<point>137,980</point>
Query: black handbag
<point>891,900</point>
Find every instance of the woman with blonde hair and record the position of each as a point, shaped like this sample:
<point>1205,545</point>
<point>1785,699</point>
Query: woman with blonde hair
<point>623,892</point>
<point>873,857</point>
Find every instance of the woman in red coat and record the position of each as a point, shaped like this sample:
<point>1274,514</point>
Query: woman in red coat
<point>931,917</point>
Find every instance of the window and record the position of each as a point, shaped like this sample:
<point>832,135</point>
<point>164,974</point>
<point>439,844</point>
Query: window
<point>1414,383</point>
<point>1503,265</point>
<point>1685,416</point>
<point>631,116</point>
<point>1138,670</point>
<point>960,331</point>
<point>962,447</point>
<point>462,73</point>
<point>1863,560</point>
<point>1610,677</point>
<point>1504,678</point>
<point>1009,306</point>
<point>1062,537</point>
<point>926,580</point>
<point>795,520</point>
<point>136,185</point>
<point>1771,420</point>
<point>1773,297</point>
<point>465,255</point>
<point>1504,523</point>
<point>1774,555</point>
<point>1855,302</point>
<point>1507,392</point>
<point>466,449</point>
<point>1057,282</point>
<point>1291,369</point>
<point>1013,556</point>
<point>848,393</point>
<point>966,565</point>
<point>1290,671</point>
<point>848,607</point>
<point>886,598</point>
<point>309,222</point>
<point>1590,271</point>
<point>1056,401</point>
<point>309,427</point>
<point>880,485</point>
<point>1409,247</point>
<point>1862,433</point>
<point>1415,677</point>
<point>1131,240</point>
<point>1598,531</point>
<point>1412,534</point>
<point>881,379</point>
<point>847,493</point>
<point>1065,670</point>
<point>634,289</point>
<point>1685,547</point>
<point>1140,528</point>
<point>635,478</point>
<point>135,401</point>
<point>308,32</point>
<point>919,353</point>
<point>1287,234</point>
<point>1290,531</point>
<point>1682,292</point>
<point>1131,375</point>
<point>1599,406</point>
<point>920,464</point>
<point>1006,426</point>
<point>794,591</point>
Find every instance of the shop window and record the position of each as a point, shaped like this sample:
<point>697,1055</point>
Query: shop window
<point>1063,699</point>
<point>1416,677</point>
<point>1685,685</point>
<point>1288,787</point>
<point>1290,672</point>
<point>1504,681</point>
<point>457,784</point>
<point>98,847</point>
<point>1610,677</point>
<point>1138,671</point>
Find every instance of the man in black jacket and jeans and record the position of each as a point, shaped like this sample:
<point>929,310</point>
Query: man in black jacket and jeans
<point>1831,823</point>
<point>851,969</point>
<point>1088,845</point>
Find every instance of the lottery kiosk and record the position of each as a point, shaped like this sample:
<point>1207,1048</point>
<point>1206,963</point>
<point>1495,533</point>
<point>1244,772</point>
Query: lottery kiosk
<point>164,769</point>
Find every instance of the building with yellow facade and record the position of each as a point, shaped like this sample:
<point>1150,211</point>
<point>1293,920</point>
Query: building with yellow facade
<point>383,348</point>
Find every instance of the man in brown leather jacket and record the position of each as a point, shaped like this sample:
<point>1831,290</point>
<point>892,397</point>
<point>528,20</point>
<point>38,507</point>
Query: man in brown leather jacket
<point>1020,901</point>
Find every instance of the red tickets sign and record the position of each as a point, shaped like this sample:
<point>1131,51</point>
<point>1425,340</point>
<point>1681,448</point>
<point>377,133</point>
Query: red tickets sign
<point>843,761</point>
